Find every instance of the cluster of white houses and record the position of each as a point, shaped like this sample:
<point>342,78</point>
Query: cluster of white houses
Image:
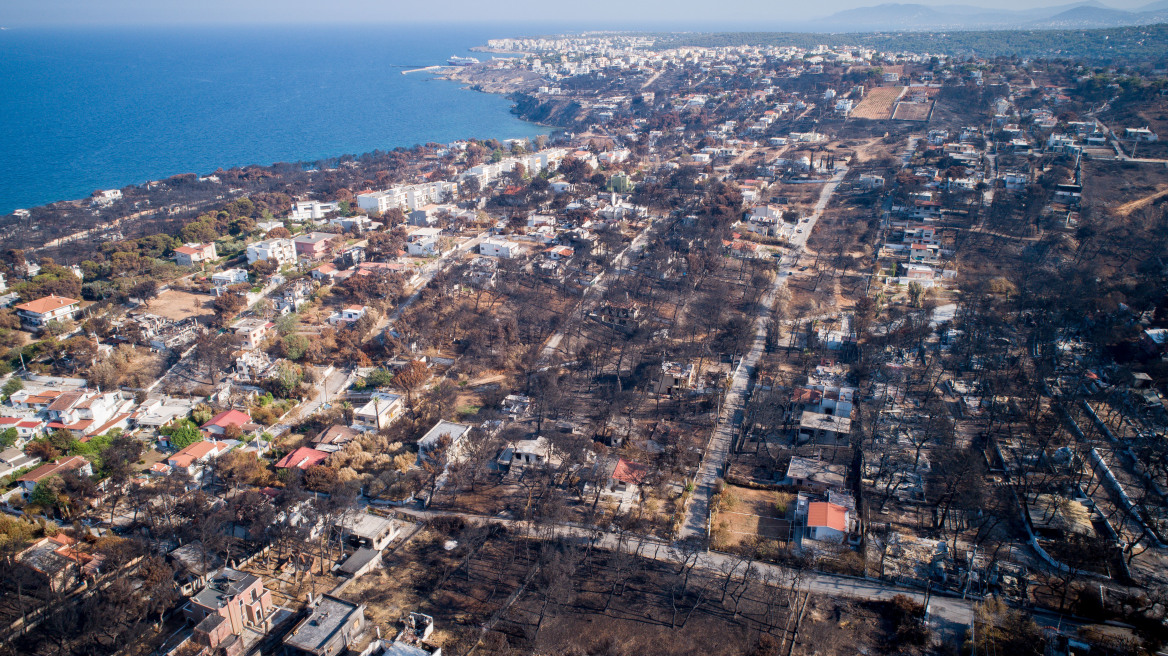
<point>414,197</point>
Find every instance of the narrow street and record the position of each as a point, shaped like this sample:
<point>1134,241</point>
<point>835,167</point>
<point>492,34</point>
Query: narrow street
<point>718,449</point>
<point>424,279</point>
<point>949,615</point>
<point>595,290</point>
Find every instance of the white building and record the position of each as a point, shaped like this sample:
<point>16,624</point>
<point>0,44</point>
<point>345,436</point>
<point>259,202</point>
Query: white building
<point>826,521</point>
<point>426,247</point>
<point>1140,134</point>
<point>229,277</point>
<point>312,210</point>
<point>37,313</point>
<point>408,197</point>
<point>280,250</point>
<point>348,315</point>
<point>532,163</point>
<point>499,248</point>
<point>107,196</point>
<point>252,331</point>
<point>765,220</point>
<point>456,432</point>
<point>192,254</point>
<point>382,410</point>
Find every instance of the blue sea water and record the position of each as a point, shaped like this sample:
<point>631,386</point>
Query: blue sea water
<point>99,108</point>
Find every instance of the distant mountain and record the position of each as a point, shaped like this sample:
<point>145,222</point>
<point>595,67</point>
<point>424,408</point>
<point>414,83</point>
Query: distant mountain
<point>918,18</point>
<point>886,17</point>
<point>1089,17</point>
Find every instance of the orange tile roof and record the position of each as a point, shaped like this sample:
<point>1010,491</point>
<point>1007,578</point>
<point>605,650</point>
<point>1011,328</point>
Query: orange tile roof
<point>804,395</point>
<point>47,304</point>
<point>43,398</point>
<point>823,513</point>
<point>193,452</point>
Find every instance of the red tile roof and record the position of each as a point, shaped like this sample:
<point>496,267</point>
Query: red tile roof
<point>630,472</point>
<point>44,398</point>
<point>805,395</point>
<point>302,458</point>
<point>65,401</point>
<point>107,426</point>
<point>228,418</point>
<point>19,422</point>
<point>59,467</point>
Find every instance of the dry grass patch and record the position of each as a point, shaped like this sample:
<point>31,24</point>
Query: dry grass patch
<point>746,514</point>
<point>178,305</point>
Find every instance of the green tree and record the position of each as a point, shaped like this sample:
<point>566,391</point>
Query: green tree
<point>295,346</point>
<point>47,493</point>
<point>286,381</point>
<point>55,328</point>
<point>916,293</point>
<point>61,439</point>
<point>13,386</point>
<point>286,324</point>
<point>183,434</point>
<point>14,534</point>
<point>8,437</point>
<point>379,378</point>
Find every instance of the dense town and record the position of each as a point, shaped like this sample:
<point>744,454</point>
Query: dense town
<point>765,350</point>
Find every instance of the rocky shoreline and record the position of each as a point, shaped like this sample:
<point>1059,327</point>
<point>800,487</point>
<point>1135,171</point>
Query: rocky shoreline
<point>493,80</point>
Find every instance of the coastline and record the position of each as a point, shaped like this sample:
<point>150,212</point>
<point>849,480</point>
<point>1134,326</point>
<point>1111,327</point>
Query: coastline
<point>117,224</point>
<point>394,115</point>
<point>485,79</point>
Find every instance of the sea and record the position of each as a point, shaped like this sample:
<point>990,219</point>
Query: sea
<point>83,109</point>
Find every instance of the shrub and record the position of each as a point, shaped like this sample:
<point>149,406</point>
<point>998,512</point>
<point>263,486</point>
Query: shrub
<point>783,501</point>
<point>908,620</point>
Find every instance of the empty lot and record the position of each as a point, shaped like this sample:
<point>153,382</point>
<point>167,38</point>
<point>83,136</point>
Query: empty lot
<point>177,305</point>
<point>753,514</point>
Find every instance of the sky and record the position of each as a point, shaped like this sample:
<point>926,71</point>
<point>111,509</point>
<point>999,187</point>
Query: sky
<point>596,14</point>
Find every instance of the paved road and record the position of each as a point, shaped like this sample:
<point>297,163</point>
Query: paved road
<point>718,449</point>
<point>947,614</point>
<point>1121,154</point>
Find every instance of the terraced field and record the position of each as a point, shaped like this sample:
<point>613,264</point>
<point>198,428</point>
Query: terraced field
<point>877,103</point>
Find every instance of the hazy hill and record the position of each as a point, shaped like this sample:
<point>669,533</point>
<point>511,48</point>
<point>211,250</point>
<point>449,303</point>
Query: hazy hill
<point>918,17</point>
